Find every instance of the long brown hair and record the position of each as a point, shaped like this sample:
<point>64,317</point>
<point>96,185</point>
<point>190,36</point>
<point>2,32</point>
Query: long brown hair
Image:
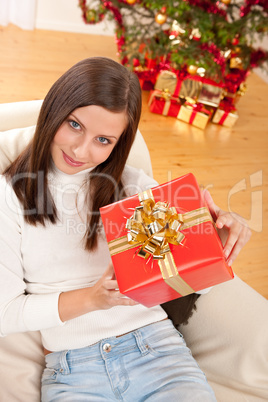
<point>94,81</point>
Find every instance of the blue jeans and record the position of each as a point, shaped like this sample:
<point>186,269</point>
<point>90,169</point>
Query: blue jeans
<point>148,364</point>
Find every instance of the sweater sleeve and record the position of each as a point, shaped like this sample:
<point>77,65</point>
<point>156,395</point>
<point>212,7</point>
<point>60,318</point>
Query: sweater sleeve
<point>19,311</point>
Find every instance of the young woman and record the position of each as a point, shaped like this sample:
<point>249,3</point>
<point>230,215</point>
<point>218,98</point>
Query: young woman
<point>56,273</point>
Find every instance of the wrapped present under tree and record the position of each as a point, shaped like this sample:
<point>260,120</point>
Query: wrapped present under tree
<point>226,114</point>
<point>161,102</point>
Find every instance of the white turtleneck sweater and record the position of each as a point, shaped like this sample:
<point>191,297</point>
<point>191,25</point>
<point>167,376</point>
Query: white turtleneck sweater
<point>38,263</point>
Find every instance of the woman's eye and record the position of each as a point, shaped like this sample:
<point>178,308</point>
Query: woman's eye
<point>103,140</point>
<point>74,124</point>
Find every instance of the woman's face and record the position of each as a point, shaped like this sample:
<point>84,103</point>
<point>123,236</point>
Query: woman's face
<point>86,138</point>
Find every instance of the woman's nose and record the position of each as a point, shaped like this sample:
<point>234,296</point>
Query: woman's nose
<point>82,150</point>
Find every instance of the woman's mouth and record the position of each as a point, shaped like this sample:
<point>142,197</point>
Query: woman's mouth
<point>70,161</point>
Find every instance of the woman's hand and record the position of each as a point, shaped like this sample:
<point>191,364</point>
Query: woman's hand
<point>102,296</point>
<point>232,228</point>
<point>105,293</point>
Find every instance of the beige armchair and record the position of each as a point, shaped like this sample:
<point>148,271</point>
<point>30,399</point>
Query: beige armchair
<point>228,335</point>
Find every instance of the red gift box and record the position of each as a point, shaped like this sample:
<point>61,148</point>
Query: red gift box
<point>163,103</point>
<point>187,265</point>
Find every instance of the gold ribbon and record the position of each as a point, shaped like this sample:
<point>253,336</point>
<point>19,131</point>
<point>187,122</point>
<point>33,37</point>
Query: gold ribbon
<point>152,227</point>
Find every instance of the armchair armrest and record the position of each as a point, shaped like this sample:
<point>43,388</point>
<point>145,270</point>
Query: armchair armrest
<point>19,114</point>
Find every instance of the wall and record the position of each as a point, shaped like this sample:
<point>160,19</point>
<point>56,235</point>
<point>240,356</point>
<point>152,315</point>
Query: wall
<point>264,45</point>
<point>65,15</point>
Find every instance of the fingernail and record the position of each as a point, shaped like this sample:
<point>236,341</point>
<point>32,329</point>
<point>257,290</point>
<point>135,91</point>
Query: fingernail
<point>226,253</point>
<point>230,262</point>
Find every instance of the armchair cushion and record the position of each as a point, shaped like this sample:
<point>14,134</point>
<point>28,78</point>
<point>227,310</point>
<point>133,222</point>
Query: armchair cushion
<point>21,366</point>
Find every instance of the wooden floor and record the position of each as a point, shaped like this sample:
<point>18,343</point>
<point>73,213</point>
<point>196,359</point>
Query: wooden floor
<point>232,164</point>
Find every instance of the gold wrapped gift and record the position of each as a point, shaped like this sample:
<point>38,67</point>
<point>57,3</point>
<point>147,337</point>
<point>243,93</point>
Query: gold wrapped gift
<point>195,114</point>
<point>166,81</point>
<point>225,118</point>
<point>190,89</point>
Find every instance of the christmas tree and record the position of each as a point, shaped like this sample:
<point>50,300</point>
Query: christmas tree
<point>212,39</point>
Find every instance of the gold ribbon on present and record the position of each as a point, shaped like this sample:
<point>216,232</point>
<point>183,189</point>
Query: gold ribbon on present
<point>236,95</point>
<point>152,228</point>
<point>242,89</point>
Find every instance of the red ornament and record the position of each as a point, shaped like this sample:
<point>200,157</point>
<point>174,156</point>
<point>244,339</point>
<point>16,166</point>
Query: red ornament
<point>235,41</point>
<point>135,62</point>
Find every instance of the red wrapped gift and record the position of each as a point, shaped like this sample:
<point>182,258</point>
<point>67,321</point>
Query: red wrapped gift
<point>161,102</point>
<point>163,243</point>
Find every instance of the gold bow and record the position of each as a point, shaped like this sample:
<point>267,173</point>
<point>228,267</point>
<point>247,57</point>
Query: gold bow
<point>155,225</point>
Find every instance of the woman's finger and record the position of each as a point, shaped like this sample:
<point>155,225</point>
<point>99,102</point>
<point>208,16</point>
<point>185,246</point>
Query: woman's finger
<point>243,238</point>
<point>231,242</point>
<point>119,299</point>
<point>227,220</point>
<point>109,273</point>
<point>111,284</point>
<point>213,208</point>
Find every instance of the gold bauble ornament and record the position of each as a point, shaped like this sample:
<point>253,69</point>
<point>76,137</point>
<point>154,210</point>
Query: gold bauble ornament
<point>160,18</point>
<point>236,62</point>
<point>131,2</point>
<point>227,2</point>
<point>91,16</point>
<point>192,69</point>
